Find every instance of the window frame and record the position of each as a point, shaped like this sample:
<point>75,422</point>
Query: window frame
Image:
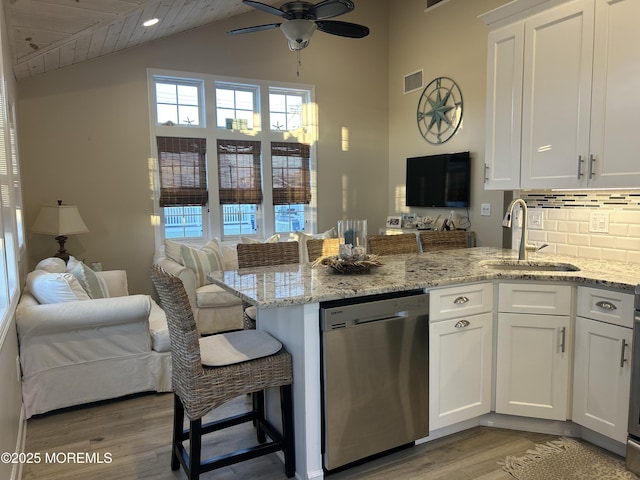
<point>213,217</point>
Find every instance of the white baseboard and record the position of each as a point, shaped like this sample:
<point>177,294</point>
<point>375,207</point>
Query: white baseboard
<point>16,472</point>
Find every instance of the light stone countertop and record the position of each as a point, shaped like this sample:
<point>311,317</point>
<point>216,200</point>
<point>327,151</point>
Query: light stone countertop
<point>272,287</point>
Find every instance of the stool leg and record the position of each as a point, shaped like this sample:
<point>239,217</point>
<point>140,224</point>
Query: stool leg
<point>195,449</point>
<point>286,404</point>
<point>178,425</point>
<point>258,406</point>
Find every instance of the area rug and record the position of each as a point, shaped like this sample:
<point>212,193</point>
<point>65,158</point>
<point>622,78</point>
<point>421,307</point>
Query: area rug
<point>566,459</point>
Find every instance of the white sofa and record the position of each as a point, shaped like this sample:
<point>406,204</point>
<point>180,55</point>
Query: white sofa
<point>75,352</point>
<point>214,309</point>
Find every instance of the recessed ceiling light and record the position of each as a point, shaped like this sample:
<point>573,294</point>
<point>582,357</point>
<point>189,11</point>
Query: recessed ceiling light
<point>150,22</point>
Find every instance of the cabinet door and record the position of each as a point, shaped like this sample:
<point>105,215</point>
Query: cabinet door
<point>616,96</point>
<point>504,107</point>
<point>602,376</point>
<point>460,353</point>
<point>558,57</point>
<point>533,365</point>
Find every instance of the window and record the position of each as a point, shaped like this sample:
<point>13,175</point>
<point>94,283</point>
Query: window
<point>183,184</point>
<point>291,184</point>
<point>260,180</point>
<point>178,102</point>
<point>236,106</point>
<point>285,109</point>
<point>240,185</point>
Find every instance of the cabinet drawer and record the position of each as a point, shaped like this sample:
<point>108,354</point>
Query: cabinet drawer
<point>454,302</point>
<point>606,305</point>
<point>538,299</point>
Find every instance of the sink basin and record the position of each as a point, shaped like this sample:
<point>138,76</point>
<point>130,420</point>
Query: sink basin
<point>509,265</point>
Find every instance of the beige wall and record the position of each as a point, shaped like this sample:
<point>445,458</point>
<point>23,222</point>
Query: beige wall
<point>450,41</point>
<point>84,132</point>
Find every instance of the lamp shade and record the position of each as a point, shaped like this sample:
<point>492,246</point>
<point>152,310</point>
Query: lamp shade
<point>59,220</point>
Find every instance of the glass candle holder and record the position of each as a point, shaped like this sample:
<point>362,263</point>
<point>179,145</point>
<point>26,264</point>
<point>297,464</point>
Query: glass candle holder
<point>353,232</point>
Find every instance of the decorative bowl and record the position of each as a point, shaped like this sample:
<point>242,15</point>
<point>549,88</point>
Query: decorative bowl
<point>346,266</point>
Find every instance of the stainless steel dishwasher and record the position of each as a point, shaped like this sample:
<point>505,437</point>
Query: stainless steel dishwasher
<point>375,360</point>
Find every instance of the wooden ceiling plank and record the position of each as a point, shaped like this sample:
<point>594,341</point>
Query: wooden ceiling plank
<point>97,41</point>
<point>67,53</point>
<point>114,31</point>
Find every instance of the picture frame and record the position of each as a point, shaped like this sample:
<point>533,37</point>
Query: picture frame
<point>394,221</point>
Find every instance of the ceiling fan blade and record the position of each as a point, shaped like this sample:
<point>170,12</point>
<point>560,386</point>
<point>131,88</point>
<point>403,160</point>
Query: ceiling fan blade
<point>331,8</point>
<point>263,7</point>
<point>342,29</point>
<point>257,28</point>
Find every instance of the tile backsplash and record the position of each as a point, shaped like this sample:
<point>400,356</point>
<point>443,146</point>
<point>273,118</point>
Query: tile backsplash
<point>596,224</point>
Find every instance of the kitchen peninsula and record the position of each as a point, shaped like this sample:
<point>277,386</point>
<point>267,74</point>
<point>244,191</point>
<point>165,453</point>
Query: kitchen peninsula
<point>288,300</point>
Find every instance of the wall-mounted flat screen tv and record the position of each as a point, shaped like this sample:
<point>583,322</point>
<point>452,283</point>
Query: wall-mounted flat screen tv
<point>439,180</point>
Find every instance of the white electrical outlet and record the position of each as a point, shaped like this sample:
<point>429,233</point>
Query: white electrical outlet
<point>485,209</point>
<point>598,222</point>
<point>535,219</point>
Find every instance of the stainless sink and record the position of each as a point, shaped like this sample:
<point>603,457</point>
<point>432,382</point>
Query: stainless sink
<point>529,265</point>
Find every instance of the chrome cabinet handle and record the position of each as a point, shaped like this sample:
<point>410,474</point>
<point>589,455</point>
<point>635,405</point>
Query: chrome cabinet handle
<point>592,160</point>
<point>563,332</point>
<point>606,305</point>
<point>622,359</point>
<point>486,173</point>
<point>462,324</point>
<point>461,300</point>
<point>580,162</point>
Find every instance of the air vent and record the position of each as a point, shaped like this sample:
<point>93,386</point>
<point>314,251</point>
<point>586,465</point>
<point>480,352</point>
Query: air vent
<point>433,3</point>
<point>413,82</point>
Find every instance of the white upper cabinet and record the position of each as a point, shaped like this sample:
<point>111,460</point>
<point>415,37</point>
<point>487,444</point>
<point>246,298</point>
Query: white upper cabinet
<point>615,107</point>
<point>557,96</point>
<point>579,103</point>
<point>504,107</point>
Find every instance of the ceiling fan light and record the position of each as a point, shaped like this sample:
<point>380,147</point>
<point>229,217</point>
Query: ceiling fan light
<point>298,33</point>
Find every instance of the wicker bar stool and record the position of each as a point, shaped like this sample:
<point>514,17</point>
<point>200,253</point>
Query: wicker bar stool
<point>321,247</point>
<point>251,255</point>
<point>391,244</point>
<point>209,371</point>
<point>443,240</point>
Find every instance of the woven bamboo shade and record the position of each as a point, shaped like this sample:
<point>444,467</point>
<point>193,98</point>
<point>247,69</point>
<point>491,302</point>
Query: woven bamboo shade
<point>239,176</point>
<point>182,171</point>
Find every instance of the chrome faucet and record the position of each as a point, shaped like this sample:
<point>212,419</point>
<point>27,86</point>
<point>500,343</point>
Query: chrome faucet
<point>506,222</point>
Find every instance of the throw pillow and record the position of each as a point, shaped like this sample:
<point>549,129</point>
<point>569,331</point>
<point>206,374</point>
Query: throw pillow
<point>302,238</point>
<point>173,251</point>
<point>52,265</point>
<point>95,286</point>
<point>201,262</point>
<point>55,287</point>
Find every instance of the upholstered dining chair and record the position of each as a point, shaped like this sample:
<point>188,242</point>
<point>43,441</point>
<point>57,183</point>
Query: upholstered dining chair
<point>252,255</point>
<point>322,247</point>
<point>391,244</point>
<point>209,371</point>
<point>446,240</point>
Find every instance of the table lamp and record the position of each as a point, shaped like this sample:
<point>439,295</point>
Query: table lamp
<point>59,220</point>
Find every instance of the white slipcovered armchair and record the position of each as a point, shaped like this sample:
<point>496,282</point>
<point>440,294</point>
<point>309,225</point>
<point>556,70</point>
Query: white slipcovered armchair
<point>80,351</point>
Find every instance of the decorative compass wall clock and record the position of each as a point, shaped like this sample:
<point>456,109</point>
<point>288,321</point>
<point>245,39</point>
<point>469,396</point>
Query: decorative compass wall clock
<point>440,110</point>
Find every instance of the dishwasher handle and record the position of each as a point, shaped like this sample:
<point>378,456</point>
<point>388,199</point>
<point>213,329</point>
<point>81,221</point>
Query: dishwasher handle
<point>362,321</point>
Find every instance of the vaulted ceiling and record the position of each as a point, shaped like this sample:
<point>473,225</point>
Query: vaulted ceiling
<point>45,35</point>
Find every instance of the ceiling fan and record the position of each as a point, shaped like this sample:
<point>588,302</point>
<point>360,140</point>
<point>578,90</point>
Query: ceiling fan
<point>301,19</point>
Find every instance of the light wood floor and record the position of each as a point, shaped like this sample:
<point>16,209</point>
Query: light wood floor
<point>136,431</point>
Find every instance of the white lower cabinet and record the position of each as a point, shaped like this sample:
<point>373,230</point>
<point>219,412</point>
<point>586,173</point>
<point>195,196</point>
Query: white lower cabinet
<point>602,371</point>
<point>533,350</point>
<point>460,354</point>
